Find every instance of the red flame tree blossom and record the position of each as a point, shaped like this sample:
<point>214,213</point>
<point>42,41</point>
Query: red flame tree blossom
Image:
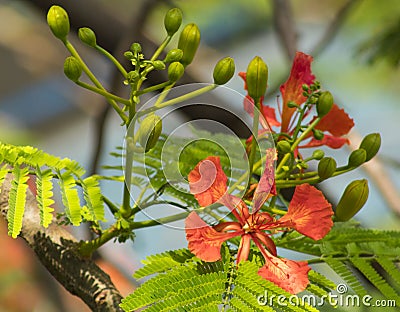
<point>308,213</point>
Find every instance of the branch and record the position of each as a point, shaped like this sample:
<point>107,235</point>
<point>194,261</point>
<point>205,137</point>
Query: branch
<point>55,248</point>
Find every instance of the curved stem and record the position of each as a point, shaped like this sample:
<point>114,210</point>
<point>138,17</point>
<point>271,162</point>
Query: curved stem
<point>113,60</point>
<point>179,99</point>
<point>104,93</point>
<point>93,78</point>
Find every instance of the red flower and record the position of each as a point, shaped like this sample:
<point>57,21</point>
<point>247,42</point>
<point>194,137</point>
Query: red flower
<point>335,124</point>
<point>309,213</point>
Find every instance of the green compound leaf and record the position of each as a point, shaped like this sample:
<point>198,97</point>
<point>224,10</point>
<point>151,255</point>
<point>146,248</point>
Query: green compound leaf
<point>17,200</point>
<point>44,189</point>
<point>70,197</point>
<point>93,197</point>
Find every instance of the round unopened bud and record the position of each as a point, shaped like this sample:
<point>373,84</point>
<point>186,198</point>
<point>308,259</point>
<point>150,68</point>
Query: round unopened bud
<point>325,103</point>
<point>149,131</point>
<point>72,68</point>
<point>172,21</point>
<point>283,146</point>
<point>318,134</point>
<point>136,47</point>
<point>257,78</point>
<point>129,55</point>
<point>353,199</point>
<point>326,167</point>
<point>132,77</point>
<point>86,35</point>
<point>189,41</point>
<point>175,71</point>
<point>159,65</point>
<point>224,70</point>
<point>357,157</point>
<point>292,104</point>
<point>174,55</point>
<point>318,154</point>
<point>57,19</point>
<point>371,144</point>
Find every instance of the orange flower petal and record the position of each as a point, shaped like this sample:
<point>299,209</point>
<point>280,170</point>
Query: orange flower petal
<point>337,122</point>
<point>207,181</point>
<point>244,248</point>
<point>204,241</point>
<point>309,212</point>
<point>290,275</point>
<point>292,89</point>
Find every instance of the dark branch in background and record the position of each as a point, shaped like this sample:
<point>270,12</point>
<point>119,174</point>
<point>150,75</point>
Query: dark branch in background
<point>334,27</point>
<point>284,26</point>
<point>55,248</point>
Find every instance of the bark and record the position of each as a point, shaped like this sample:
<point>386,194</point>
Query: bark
<point>55,248</point>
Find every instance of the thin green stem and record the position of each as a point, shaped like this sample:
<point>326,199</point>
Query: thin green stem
<point>296,143</point>
<point>179,99</point>
<point>93,78</point>
<point>154,88</point>
<point>148,223</point>
<point>113,208</point>
<point>113,60</point>
<point>103,93</point>
<point>161,48</point>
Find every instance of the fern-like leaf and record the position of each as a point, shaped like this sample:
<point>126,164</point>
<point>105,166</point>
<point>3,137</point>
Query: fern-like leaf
<point>44,195</point>
<point>3,173</point>
<point>163,262</point>
<point>17,200</point>
<point>375,278</point>
<point>92,195</point>
<point>70,197</point>
<point>184,287</point>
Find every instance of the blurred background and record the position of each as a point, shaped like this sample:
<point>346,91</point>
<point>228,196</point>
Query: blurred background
<point>356,49</point>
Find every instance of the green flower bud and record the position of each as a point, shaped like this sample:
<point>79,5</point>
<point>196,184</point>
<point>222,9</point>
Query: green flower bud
<point>132,77</point>
<point>72,68</point>
<point>357,157</point>
<point>353,199</point>
<point>172,21</point>
<point>86,35</point>
<point>136,47</point>
<point>129,55</point>
<point>149,131</point>
<point>318,154</point>
<point>174,55</point>
<point>318,134</point>
<point>189,41</point>
<point>325,103</point>
<point>292,104</point>
<point>326,168</point>
<point>57,19</point>
<point>224,71</point>
<point>175,71</point>
<point>371,144</point>
<point>283,146</point>
<point>159,65</point>
<point>257,78</point>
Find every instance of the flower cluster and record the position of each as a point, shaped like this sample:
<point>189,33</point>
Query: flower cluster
<point>296,91</point>
<point>308,213</point>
